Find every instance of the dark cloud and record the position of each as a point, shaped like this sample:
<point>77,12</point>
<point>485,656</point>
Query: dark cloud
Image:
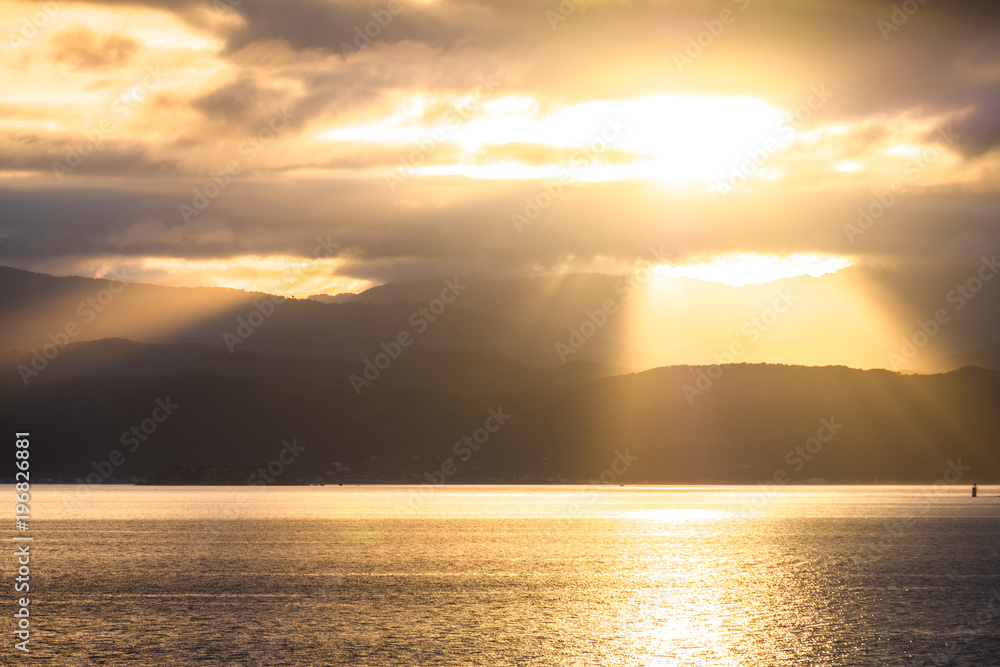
<point>241,105</point>
<point>980,126</point>
<point>327,25</point>
<point>318,24</point>
<point>456,224</point>
<point>95,155</point>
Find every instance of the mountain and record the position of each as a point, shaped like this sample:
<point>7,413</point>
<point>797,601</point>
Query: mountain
<point>343,297</point>
<point>987,356</point>
<point>743,423</point>
<point>459,372</point>
<point>642,320</point>
<point>38,310</point>
<point>553,300</point>
<point>137,382</point>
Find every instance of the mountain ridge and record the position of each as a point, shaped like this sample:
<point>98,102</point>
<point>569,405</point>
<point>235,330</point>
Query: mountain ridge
<point>743,428</point>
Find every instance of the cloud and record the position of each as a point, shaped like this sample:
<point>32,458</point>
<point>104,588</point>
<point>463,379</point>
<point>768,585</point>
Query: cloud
<point>980,127</point>
<point>453,225</point>
<point>60,158</point>
<point>241,105</point>
<point>82,48</point>
<point>225,72</point>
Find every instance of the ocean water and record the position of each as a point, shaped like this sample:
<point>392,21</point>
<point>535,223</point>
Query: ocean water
<point>397,575</point>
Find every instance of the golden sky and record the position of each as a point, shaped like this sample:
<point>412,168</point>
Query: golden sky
<point>310,146</point>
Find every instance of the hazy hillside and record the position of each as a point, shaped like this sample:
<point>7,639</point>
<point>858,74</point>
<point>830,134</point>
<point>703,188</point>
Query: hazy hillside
<point>36,310</point>
<point>637,321</point>
<point>88,362</point>
<point>987,356</point>
<point>462,372</point>
<point>744,428</point>
<point>544,300</point>
<point>682,321</point>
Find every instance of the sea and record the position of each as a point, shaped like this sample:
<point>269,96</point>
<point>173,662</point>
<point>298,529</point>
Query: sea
<point>509,575</point>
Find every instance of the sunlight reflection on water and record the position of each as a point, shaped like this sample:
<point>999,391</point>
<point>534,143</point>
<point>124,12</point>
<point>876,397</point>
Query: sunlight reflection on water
<point>515,575</point>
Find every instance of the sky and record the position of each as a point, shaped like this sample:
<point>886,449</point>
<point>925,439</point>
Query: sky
<point>220,143</point>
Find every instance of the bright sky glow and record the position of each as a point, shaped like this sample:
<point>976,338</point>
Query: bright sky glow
<point>665,137</point>
<point>756,269</point>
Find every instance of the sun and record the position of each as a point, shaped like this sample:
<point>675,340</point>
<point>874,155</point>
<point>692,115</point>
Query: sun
<point>681,138</point>
<point>699,138</point>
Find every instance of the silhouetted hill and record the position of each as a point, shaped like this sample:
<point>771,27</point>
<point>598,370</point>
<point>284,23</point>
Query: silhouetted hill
<point>987,356</point>
<point>178,398</point>
<point>481,374</point>
<point>38,310</point>
<point>115,357</point>
<point>750,423</point>
<point>651,320</point>
<point>553,300</point>
<point>475,373</point>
